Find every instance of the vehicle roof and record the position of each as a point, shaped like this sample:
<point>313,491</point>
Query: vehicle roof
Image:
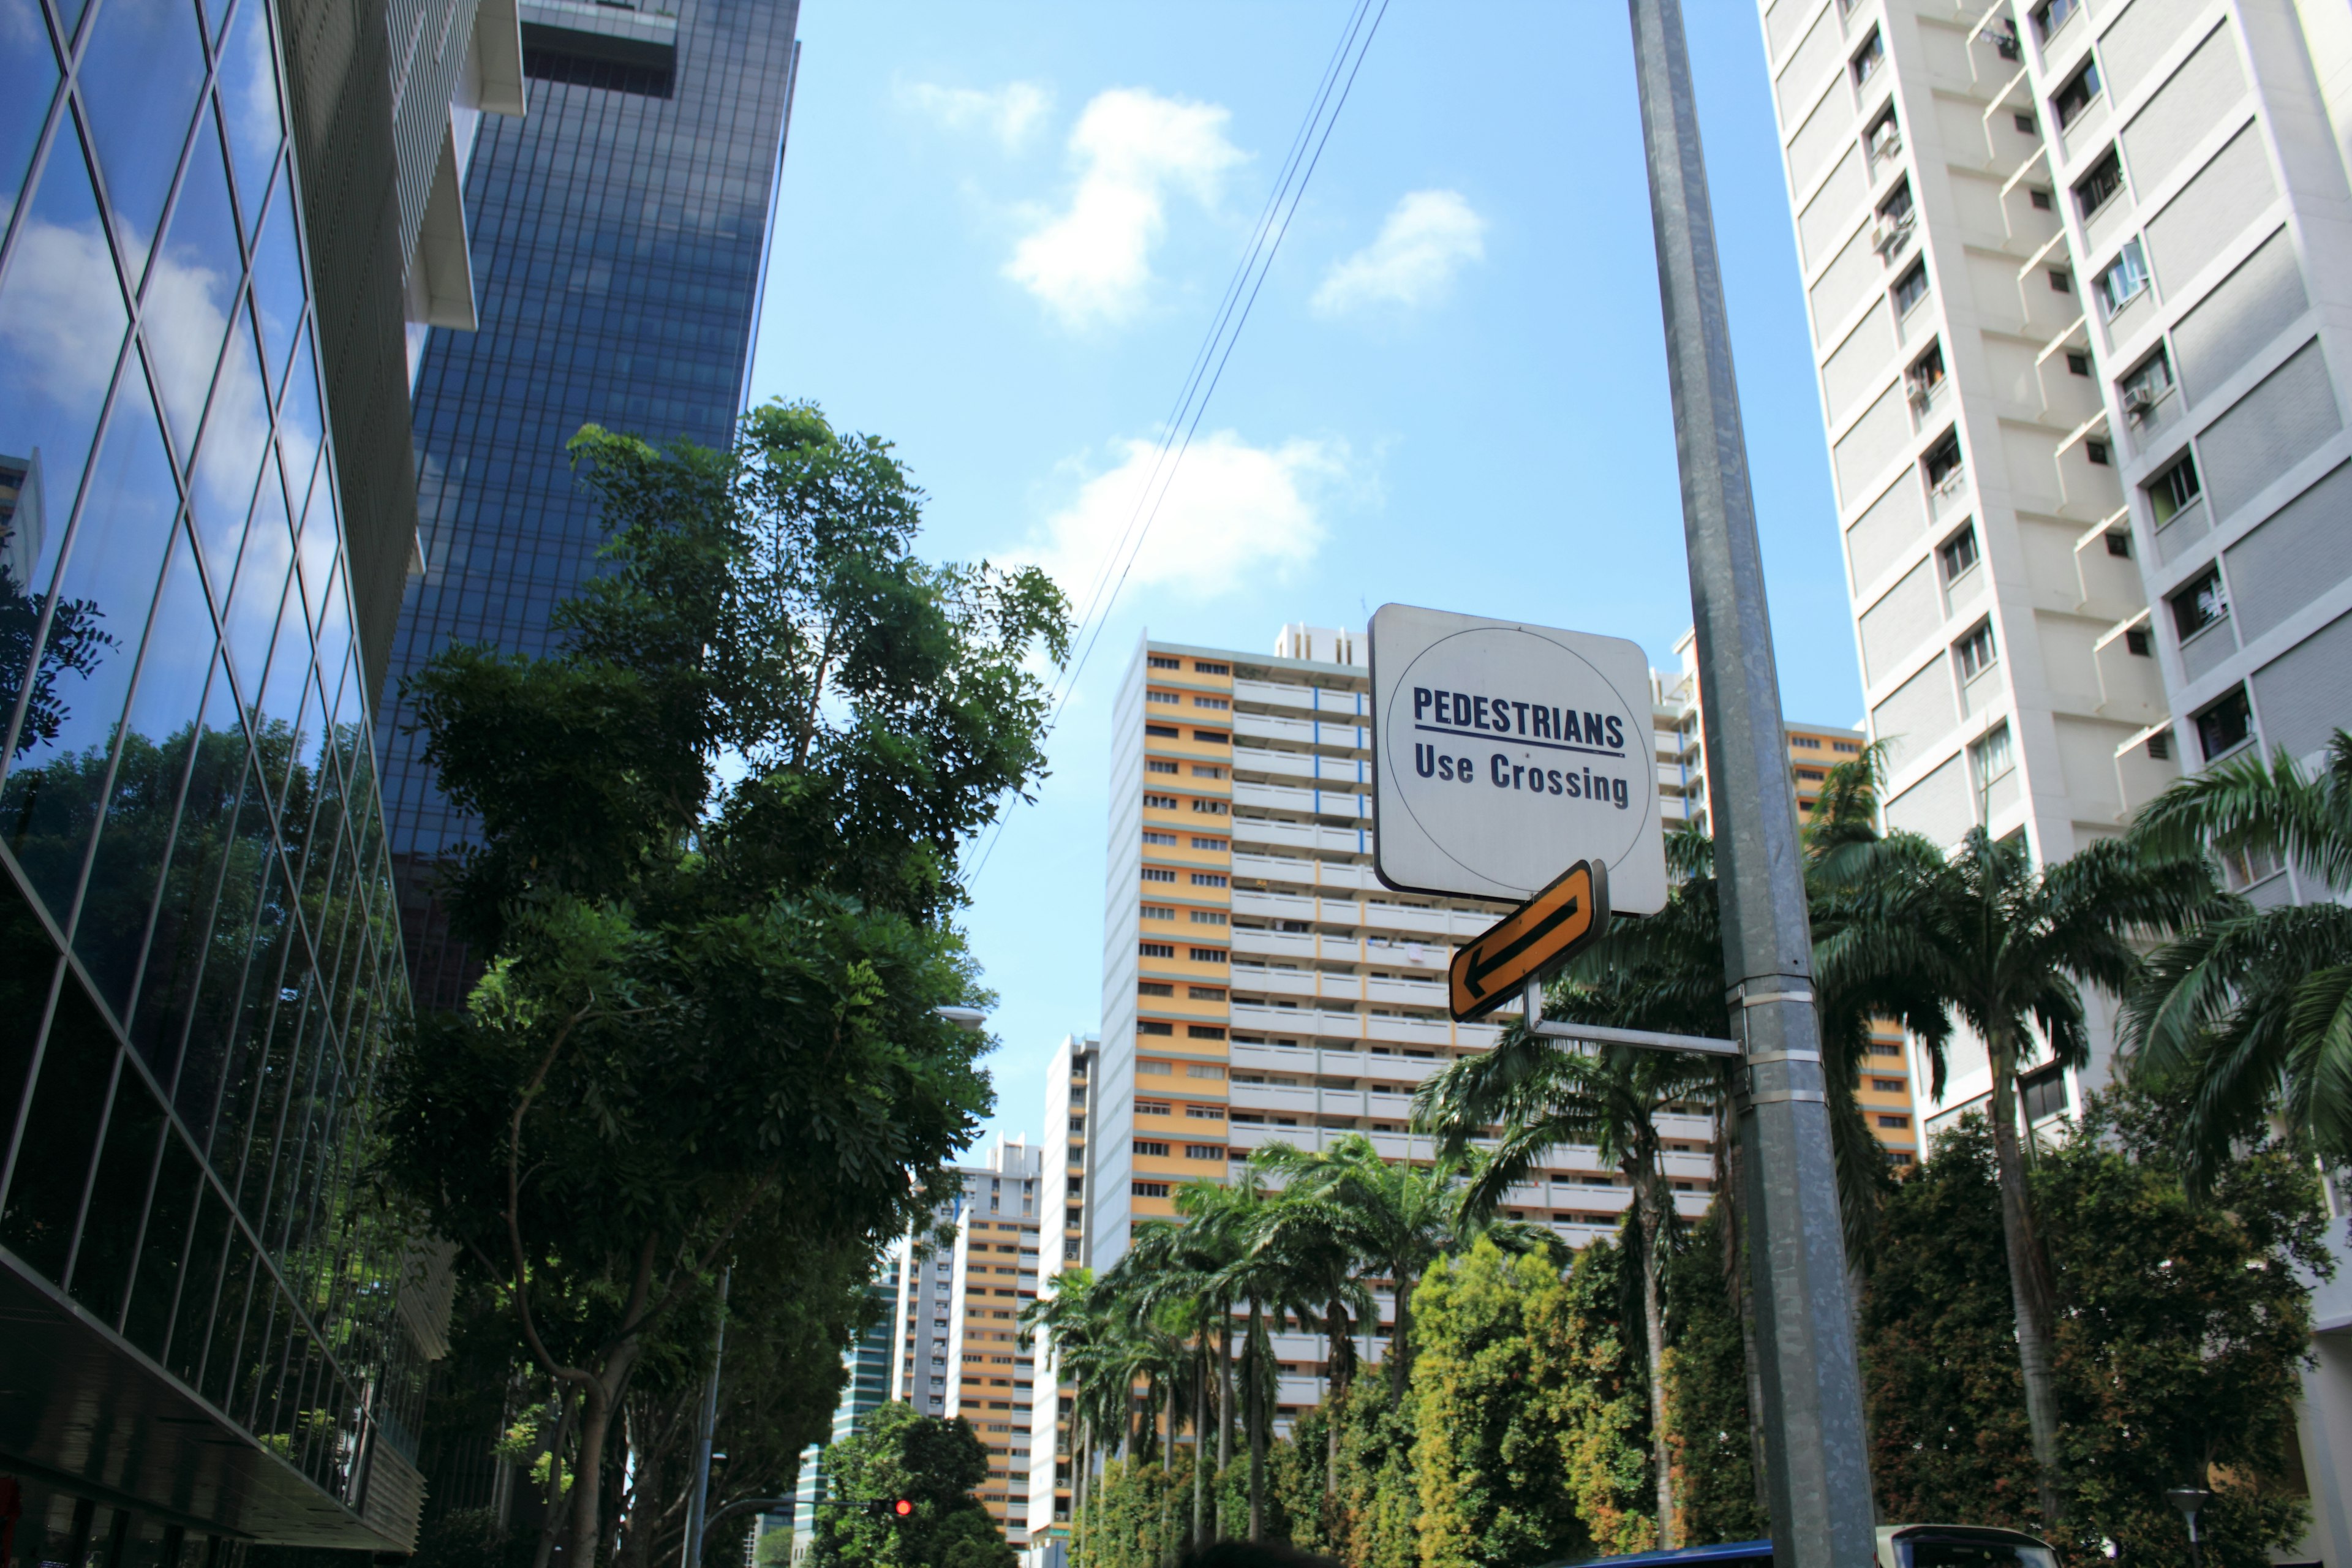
<point>1729,1551</point>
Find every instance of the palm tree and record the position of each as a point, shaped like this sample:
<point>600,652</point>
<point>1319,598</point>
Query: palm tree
<point>2253,1006</point>
<point>1316,1236</point>
<point>1270,1283</point>
<point>2007,949</point>
<point>1079,1320</point>
<point>1175,1272</point>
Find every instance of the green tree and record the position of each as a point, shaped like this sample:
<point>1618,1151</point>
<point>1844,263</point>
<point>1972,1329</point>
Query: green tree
<point>2175,1363</point>
<point>712,1010</point>
<point>931,1463</point>
<point>2007,948</point>
<point>2253,1006</point>
<point>1708,1395</point>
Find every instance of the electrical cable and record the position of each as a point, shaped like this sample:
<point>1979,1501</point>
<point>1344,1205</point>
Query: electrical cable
<point>1225,328</point>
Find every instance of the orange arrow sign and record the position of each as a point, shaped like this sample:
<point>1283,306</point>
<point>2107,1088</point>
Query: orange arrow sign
<point>1496,965</point>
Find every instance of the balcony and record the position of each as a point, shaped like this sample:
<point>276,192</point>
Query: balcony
<point>1303,731</point>
<point>1319,699</point>
<point>1256,940</point>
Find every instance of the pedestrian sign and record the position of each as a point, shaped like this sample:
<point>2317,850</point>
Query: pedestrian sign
<point>1494,966</point>
<point>1503,752</point>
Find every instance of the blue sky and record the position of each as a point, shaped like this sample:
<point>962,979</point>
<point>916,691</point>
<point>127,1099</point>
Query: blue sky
<point>1001,233</point>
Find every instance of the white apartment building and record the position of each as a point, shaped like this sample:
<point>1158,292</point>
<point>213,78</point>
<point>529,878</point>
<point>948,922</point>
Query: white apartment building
<point>2080,283</point>
<point>1259,983</point>
<point>960,1352</point>
<point>1063,1212</point>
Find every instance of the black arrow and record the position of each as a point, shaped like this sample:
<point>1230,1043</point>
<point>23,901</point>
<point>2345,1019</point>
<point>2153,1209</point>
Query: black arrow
<point>1482,965</point>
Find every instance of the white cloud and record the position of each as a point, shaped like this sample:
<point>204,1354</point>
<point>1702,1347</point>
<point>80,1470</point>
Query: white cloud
<point>1428,237</point>
<point>1234,515</point>
<point>1093,262</point>
<point>1009,113</point>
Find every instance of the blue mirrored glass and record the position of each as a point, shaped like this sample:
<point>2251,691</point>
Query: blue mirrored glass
<point>136,834</point>
<point>260,590</point>
<point>49,801</point>
<point>318,540</point>
<point>61,329</point>
<point>228,453</point>
<point>199,843</point>
<point>249,104</point>
<point>300,425</point>
<point>278,293</point>
<point>334,628</point>
<point>141,74</point>
<point>279,734</point>
<point>185,313</point>
<point>29,66</point>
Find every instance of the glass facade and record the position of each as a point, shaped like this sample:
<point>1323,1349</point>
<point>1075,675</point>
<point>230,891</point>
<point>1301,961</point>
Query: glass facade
<point>619,230</point>
<point>199,958</point>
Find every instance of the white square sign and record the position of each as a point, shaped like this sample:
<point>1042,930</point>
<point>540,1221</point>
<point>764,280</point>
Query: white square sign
<point>1504,753</point>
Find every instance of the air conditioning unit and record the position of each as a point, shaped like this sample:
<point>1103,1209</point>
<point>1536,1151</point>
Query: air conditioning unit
<point>2003,38</point>
<point>2138,402</point>
<point>1886,233</point>
<point>1949,485</point>
<point>1921,395</point>
<point>1887,142</point>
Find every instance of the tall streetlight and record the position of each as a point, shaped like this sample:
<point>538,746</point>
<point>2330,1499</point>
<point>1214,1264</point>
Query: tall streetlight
<point>1816,1460</point>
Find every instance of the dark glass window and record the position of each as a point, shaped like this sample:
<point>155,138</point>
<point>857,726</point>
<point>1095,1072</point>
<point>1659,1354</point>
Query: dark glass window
<point>2082,90</point>
<point>2226,725</point>
<point>59,1138</point>
<point>1975,651</point>
<point>1911,288</point>
<point>2201,603</point>
<point>1958,553</point>
<point>2045,1093</point>
<point>1943,460</point>
<point>141,74</point>
<point>2174,489</point>
<point>2095,189</point>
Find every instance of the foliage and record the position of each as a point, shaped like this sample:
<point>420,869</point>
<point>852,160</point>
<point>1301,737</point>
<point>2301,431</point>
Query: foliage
<point>2177,1355</point>
<point>934,1464</point>
<point>711,1026</point>
<point>2254,1008</point>
<point>1707,1380</point>
<point>1510,1396</point>
<point>471,1538</point>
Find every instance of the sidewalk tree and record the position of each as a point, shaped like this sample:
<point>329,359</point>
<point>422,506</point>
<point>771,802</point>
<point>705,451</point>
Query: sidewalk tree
<point>712,1009</point>
<point>932,1463</point>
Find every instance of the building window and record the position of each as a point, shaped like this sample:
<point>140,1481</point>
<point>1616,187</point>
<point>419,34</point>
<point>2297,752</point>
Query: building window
<point>1153,1027</point>
<point>1208,917</point>
<point>1993,757</point>
<point>1943,464</point>
<point>1205,668</point>
<point>1206,771</point>
<point>1893,1123</point>
<point>2242,868</point>
<point>1159,912</point>
<point>1924,376</point>
<point>2147,384</point>
<point>1164,731</point>
<point>1145,1146</point>
<point>1887,1085</point>
<point>2138,643</point>
<point>1209,878</point>
<point>1209,807</point>
<point>2098,188</point>
<point>2121,280</point>
<point>1153,1068</point>
<point>1976,651</point>
<point>1208,955</point>
<point>2198,606</point>
<point>1199,843</point>
<point>1154,1108</point>
<point>2045,1093</point>
<point>1171,698</point>
<point>1154,988</point>
<point>1161,661</point>
<point>2050,16</point>
<point>2038,196</point>
<point>1158,801</point>
<point>1957,555</point>
<point>1211,702</point>
<point>1149,1189</point>
<point>1155,949</point>
<point>2077,364</point>
<point>1910,288</point>
<point>1205,1069</point>
<point>2119,544</point>
<point>2173,489</point>
<point>1155,765</point>
<point>1213,737</point>
<point>2026,126</point>
<point>1885,137</point>
<point>2226,725</point>
<point>1205,993</point>
<point>1894,216</point>
<point>1204,1150</point>
<point>1168,839</point>
<point>1869,58</point>
<point>2096,451</point>
<point>2082,90</point>
<point>1158,873</point>
<point>1205,1112</point>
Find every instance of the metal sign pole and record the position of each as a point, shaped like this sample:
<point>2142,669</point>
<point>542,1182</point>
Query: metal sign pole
<point>1817,1462</point>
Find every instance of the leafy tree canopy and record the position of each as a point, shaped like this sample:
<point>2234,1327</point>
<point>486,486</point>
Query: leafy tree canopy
<point>932,1463</point>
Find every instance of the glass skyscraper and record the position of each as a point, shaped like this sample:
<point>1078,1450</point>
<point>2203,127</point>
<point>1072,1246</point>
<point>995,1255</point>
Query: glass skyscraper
<point>210,1341</point>
<point>619,233</point>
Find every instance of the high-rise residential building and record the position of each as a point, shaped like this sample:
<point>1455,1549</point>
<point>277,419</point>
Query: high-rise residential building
<point>211,215</point>
<point>1887,1085</point>
<point>2077,276</point>
<point>1260,984</point>
<point>1067,1166</point>
<point>867,1364</point>
<point>2073,271</point>
<point>620,232</point>
<point>961,1349</point>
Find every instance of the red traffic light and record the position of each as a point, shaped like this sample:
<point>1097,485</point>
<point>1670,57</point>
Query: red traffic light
<point>903,1507</point>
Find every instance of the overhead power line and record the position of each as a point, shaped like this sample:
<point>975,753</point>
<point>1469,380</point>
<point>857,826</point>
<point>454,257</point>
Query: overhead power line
<point>1208,366</point>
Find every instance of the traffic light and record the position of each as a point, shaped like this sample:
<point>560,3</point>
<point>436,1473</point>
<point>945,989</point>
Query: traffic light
<point>891,1511</point>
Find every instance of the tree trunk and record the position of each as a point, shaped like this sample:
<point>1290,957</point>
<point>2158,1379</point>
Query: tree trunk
<point>1082,1458</point>
<point>643,1500</point>
<point>1254,1375</point>
<point>1225,1406</point>
<point>1399,1352</point>
<point>1335,1391</point>
<point>588,1486</point>
<point>1654,1327</point>
<point>1201,1442</point>
<point>550,1528</point>
<point>2030,1287</point>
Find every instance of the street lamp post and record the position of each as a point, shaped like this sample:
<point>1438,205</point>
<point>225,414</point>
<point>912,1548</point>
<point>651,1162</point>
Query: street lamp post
<point>2190,1501</point>
<point>1816,1460</point>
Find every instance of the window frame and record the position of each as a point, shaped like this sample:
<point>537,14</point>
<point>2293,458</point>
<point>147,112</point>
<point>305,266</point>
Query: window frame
<point>1961,540</point>
<point>2239,708</point>
<point>2131,262</point>
<point>2105,177</point>
<point>2163,488</point>
<point>1965,653</point>
<point>2205,597</point>
<point>1915,273</point>
<point>2082,90</point>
